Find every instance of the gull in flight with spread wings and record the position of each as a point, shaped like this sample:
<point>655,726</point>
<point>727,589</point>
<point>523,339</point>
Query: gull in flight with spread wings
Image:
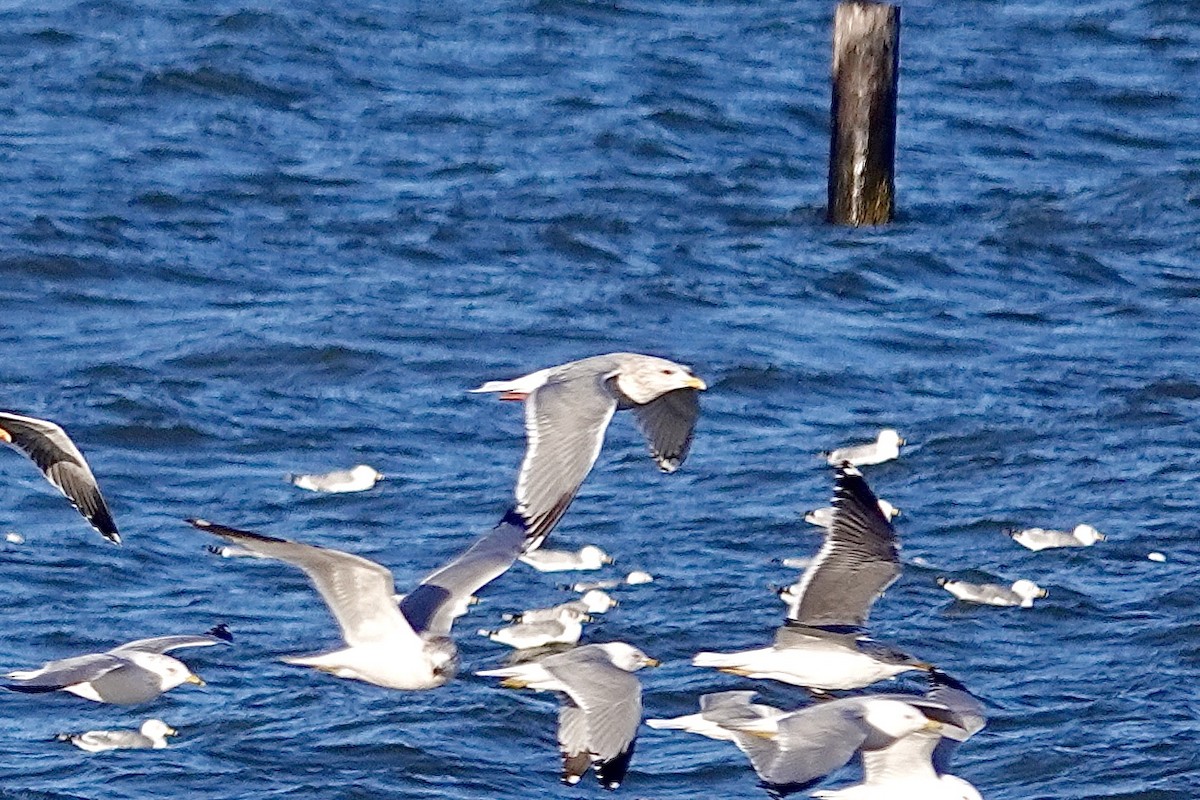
<point>398,646</point>
<point>567,411</point>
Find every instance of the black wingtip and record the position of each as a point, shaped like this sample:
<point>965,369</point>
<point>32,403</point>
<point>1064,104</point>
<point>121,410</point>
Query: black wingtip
<point>221,631</point>
<point>612,772</point>
<point>514,518</point>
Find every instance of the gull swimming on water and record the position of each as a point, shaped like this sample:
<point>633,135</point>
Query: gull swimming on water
<point>884,448</point>
<point>567,411</point>
<point>356,479</point>
<point>405,646</point>
<point>594,601</point>
<point>1022,593</point>
<point>820,645</point>
<point>1042,539</point>
<point>527,634</point>
<point>587,557</point>
<point>151,736</point>
<point>136,672</point>
<point>602,705</point>
<point>823,517</point>
<point>60,461</point>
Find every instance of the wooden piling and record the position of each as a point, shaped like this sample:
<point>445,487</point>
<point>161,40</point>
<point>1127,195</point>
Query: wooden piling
<point>862,145</point>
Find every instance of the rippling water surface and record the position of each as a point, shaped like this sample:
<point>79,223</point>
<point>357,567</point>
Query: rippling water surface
<point>241,240</point>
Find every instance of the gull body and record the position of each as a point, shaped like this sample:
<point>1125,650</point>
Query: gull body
<point>396,646</point>
<point>133,673</point>
<point>1042,539</point>
<point>567,412</point>
<point>61,463</point>
<point>566,628</point>
<point>885,448</point>
<point>585,558</point>
<point>152,735</point>
<point>355,479</point>
<point>1022,593</point>
<point>602,705</point>
<point>594,601</point>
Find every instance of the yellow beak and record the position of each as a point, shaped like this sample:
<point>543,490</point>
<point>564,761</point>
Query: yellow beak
<point>695,383</point>
<point>653,662</point>
<point>5,436</point>
<point>195,679</point>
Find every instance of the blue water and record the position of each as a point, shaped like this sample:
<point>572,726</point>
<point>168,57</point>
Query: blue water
<point>240,240</point>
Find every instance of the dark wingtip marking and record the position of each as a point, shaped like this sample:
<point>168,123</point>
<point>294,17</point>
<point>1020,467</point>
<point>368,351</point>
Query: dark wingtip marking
<point>612,772</point>
<point>221,631</point>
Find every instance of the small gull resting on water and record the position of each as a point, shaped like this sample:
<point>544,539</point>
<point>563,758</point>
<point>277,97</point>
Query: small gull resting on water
<point>823,517</point>
<point>136,672</point>
<point>634,578</point>
<point>1022,593</point>
<point>594,601</point>
<point>1042,539</point>
<point>398,647</point>
<point>884,448</point>
<point>602,705</point>
<point>60,461</point>
<point>356,479</point>
<point>820,646</point>
<point>151,736</point>
<point>586,557</point>
<point>527,634</point>
<point>567,411</point>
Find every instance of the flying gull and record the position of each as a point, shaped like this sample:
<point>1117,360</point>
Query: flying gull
<point>917,765</point>
<point>602,705</point>
<point>151,736</point>
<point>884,448</point>
<point>63,465</point>
<point>821,646</point>
<point>356,479</point>
<point>1042,539</point>
<point>1022,593</point>
<point>567,411</point>
<point>565,628</point>
<point>133,673</point>
<point>405,646</point>
<point>586,557</point>
<point>793,751</point>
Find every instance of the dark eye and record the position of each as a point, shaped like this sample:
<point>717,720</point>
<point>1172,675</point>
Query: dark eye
<point>668,372</point>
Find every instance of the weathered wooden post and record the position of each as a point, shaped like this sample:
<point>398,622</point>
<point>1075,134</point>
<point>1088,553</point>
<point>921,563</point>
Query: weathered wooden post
<point>862,144</point>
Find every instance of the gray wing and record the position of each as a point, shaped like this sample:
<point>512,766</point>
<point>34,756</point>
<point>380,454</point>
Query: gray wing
<point>49,447</point>
<point>668,423</point>
<point>611,701</point>
<point>573,742</point>
<point>163,644</point>
<point>65,672</point>
<point>565,422</point>
<point>430,607</point>
<point>970,717</point>
<point>809,744</point>
<point>857,562</point>
<point>358,591</point>
<point>112,740</point>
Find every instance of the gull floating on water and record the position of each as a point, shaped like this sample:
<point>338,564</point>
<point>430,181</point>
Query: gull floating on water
<point>49,447</point>
<point>885,448</point>
<point>151,736</point>
<point>1022,593</point>
<point>632,579</point>
<point>823,517</point>
<point>594,601</point>
<point>136,672</point>
<point>356,479</point>
<point>527,634</point>
<point>567,411</point>
<point>820,646</point>
<point>1042,539</point>
<point>602,705</point>
<point>587,557</point>
<point>399,647</point>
